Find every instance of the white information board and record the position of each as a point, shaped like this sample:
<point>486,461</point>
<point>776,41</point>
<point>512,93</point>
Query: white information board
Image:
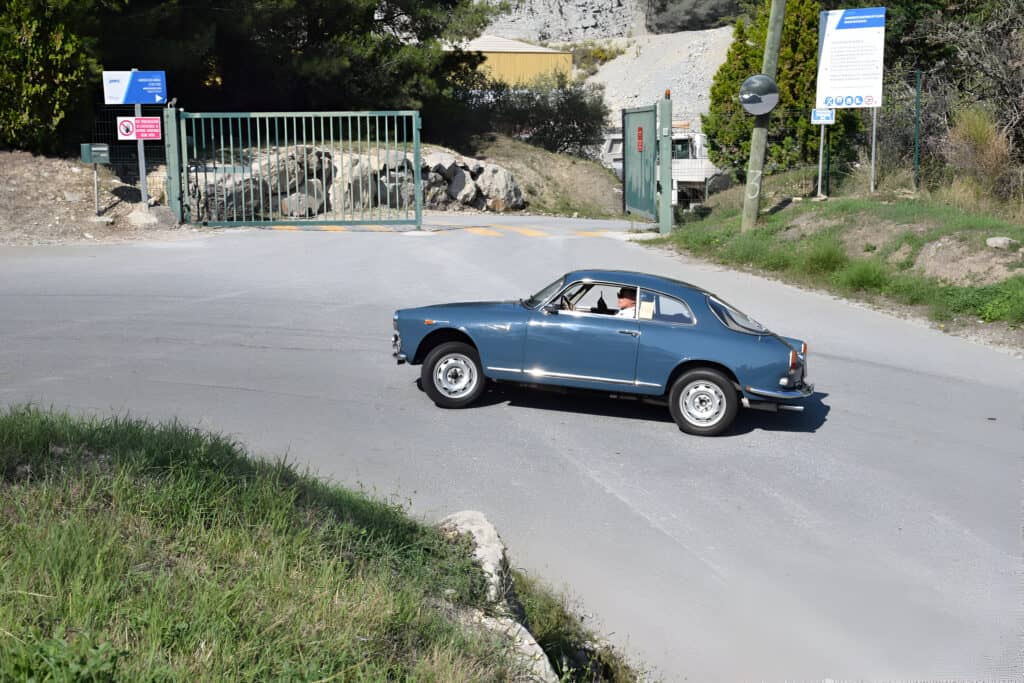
<point>851,58</point>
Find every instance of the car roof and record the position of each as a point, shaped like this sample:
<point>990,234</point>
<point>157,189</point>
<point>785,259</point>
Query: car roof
<point>636,279</point>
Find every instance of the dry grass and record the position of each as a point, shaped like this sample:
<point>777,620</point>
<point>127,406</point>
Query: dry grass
<point>556,183</point>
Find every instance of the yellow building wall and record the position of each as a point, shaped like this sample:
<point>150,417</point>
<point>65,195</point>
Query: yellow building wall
<point>516,68</point>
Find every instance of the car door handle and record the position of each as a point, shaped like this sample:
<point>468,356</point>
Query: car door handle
<point>634,333</point>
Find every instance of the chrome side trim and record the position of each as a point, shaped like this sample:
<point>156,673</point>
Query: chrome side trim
<point>504,369</point>
<point>537,372</point>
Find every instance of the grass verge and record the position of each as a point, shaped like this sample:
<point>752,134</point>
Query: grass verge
<point>824,245</point>
<point>130,551</point>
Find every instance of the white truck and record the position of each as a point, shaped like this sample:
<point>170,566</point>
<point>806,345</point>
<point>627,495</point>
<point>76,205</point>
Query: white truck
<point>692,171</point>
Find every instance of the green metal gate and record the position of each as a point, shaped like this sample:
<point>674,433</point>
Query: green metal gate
<point>640,145</point>
<point>303,170</point>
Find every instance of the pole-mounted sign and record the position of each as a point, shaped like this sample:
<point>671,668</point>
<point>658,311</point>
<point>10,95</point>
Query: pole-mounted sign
<point>134,87</point>
<point>851,50</point>
<point>138,88</point>
<point>851,63</point>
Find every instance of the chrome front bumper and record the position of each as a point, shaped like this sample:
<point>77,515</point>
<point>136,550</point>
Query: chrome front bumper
<point>396,349</point>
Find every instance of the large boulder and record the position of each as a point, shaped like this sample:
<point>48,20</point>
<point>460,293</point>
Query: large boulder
<point>435,191</point>
<point>356,186</point>
<point>398,190</point>
<point>307,201</point>
<point>441,163</point>
<point>499,189</point>
<point>461,187</point>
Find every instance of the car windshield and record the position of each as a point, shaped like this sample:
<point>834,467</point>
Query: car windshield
<point>544,294</point>
<point>735,319</point>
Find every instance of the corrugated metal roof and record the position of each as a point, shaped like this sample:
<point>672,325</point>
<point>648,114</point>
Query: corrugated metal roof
<point>498,44</point>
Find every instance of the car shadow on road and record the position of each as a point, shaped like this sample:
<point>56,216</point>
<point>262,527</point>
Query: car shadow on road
<point>811,419</point>
<point>813,416</point>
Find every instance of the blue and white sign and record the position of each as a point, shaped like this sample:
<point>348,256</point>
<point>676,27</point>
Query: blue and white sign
<point>823,117</point>
<point>134,87</point>
<point>851,58</point>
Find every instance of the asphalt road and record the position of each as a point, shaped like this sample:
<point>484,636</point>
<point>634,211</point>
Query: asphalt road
<point>877,535</point>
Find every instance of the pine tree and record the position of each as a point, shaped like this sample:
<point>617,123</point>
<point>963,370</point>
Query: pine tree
<point>792,140</point>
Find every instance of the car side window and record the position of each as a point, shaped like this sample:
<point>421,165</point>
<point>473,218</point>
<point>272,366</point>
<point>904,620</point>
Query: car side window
<point>664,308</point>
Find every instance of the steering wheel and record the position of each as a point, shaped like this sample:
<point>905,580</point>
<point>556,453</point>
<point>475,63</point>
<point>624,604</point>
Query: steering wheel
<point>566,304</point>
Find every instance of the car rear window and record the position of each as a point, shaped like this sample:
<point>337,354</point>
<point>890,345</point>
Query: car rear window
<point>733,318</point>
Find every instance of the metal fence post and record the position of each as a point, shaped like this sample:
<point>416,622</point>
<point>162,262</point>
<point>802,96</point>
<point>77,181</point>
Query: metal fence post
<point>417,180</point>
<point>172,156</point>
<point>665,166</point>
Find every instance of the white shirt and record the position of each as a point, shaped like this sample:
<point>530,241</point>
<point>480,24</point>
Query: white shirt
<point>625,312</point>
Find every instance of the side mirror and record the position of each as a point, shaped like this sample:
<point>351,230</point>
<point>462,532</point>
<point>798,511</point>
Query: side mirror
<point>551,309</point>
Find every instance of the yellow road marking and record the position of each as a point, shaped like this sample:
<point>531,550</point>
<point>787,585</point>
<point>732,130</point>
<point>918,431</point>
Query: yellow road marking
<point>486,232</point>
<point>290,228</point>
<point>528,232</point>
<point>591,233</point>
<point>334,228</point>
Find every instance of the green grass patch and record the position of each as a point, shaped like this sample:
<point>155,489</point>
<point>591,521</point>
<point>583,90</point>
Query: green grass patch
<point>804,243</point>
<point>863,276</point>
<point>136,552</point>
<point>576,653</point>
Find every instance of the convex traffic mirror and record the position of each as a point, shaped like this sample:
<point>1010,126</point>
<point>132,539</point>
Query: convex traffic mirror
<point>759,94</point>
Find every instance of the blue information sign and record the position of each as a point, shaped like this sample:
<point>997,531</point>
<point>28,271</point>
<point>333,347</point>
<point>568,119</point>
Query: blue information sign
<point>134,87</point>
<point>823,117</point>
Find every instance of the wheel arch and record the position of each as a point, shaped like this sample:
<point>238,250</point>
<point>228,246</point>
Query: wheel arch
<point>688,365</point>
<point>438,337</point>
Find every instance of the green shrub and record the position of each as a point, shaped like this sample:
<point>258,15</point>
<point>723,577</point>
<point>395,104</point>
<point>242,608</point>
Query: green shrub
<point>46,71</point>
<point>553,112</point>
<point>862,276</point>
<point>589,55</point>
<point>823,255</point>
<point>1007,302</point>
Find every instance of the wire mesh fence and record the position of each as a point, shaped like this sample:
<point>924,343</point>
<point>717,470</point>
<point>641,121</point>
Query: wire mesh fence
<point>905,137</point>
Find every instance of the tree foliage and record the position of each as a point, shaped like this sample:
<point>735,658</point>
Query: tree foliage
<point>233,55</point>
<point>553,112</point>
<point>792,140</point>
<point>45,70</point>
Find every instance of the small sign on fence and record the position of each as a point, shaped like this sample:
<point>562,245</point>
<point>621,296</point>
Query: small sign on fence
<point>823,117</point>
<point>138,127</point>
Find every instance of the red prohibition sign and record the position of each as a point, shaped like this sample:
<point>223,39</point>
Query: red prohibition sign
<point>127,127</point>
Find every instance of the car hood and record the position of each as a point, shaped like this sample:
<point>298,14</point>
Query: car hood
<point>460,308</point>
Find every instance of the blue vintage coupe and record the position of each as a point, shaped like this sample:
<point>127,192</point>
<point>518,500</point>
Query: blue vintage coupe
<point>614,331</point>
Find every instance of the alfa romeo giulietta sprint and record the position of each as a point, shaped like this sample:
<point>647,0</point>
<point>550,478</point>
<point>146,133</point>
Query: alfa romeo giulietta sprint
<point>613,331</point>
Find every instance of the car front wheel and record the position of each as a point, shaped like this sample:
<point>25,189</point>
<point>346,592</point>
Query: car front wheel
<point>452,376</point>
<point>703,402</point>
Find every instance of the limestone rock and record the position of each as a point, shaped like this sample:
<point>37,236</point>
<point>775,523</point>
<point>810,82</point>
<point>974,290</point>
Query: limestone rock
<point>499,188</point>
<point>1001,243</point>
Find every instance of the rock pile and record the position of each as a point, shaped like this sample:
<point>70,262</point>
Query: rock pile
<point>307,181</point>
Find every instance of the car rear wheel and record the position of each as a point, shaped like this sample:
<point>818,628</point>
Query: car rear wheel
<point>703,402</point>
<point>452,376</point>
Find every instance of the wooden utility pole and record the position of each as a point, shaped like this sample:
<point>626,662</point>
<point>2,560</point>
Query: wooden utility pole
<point>759,138</point>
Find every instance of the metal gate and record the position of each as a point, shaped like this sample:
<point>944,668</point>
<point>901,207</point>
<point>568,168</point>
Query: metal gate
<point>640,145</point>
<point>303,170</point>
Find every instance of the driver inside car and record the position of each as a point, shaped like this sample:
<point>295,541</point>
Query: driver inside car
<point>627,302</point>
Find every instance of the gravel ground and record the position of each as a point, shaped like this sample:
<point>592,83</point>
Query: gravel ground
<point>684,63</point>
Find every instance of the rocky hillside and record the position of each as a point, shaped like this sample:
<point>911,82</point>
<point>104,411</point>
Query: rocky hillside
<point>574,20</point>
<point>651,60</point>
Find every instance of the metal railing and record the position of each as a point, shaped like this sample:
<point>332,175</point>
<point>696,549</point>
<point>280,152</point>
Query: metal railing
<point>302,169</point>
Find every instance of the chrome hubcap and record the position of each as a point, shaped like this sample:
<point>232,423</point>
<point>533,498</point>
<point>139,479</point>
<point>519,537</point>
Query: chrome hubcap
<point>702,403</point>
<point>455,375</point>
